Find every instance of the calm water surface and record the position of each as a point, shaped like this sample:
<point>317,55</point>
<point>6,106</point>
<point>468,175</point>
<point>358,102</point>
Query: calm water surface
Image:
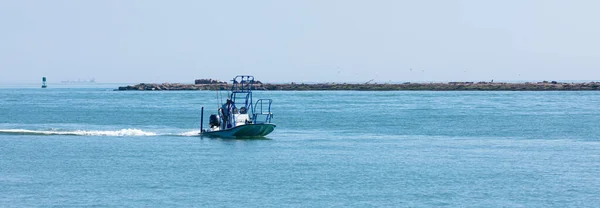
<point>98,147</point>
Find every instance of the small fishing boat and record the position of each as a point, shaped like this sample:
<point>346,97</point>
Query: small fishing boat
<point>239,116</point>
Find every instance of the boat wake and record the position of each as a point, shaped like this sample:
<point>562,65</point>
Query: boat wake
<point>118,133</point>
<point>189,133</point>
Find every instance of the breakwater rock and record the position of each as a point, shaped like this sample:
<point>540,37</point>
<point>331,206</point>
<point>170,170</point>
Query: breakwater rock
<point>175,86</point>
<point>450,86</point>
<point>208,81</point>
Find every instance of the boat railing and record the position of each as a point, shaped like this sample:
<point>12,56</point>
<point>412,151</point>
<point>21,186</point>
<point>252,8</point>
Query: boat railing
<point>262,111</point>
<point>242,84</point>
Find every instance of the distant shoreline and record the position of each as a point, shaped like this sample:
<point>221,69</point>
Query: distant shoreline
<point>450,86</point>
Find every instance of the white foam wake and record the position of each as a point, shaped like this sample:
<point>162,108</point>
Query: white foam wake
<point>122,132</point>
<point>189,133</point>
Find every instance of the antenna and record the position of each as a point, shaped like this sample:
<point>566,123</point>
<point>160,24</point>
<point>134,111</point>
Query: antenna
<point>217,98</point>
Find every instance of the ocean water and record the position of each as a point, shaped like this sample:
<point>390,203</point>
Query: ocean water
<point>92,146</point>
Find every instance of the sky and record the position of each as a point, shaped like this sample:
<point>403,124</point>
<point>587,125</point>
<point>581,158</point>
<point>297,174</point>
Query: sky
<point>132,41</point>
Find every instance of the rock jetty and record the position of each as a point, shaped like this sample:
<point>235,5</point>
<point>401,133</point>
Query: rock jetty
<point>208,81</point>
<point>450,86</point>
<point>175,86</point>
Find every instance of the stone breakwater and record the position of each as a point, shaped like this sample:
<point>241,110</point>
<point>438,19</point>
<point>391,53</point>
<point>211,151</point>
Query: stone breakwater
<point>175,86</point>
<point>450,86</point>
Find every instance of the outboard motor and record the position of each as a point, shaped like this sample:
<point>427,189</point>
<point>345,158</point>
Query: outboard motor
<point>214,121</point>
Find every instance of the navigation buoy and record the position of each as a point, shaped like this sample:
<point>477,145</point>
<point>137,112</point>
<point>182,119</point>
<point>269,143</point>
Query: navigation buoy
<point>44,82</point>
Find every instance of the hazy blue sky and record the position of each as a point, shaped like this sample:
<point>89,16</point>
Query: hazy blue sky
<point>303,41</point>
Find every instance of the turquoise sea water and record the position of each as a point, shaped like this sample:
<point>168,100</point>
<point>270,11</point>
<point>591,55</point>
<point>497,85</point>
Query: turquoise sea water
<point>91,146</point>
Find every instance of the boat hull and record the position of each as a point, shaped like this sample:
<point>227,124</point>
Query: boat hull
<point>243,131</point>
